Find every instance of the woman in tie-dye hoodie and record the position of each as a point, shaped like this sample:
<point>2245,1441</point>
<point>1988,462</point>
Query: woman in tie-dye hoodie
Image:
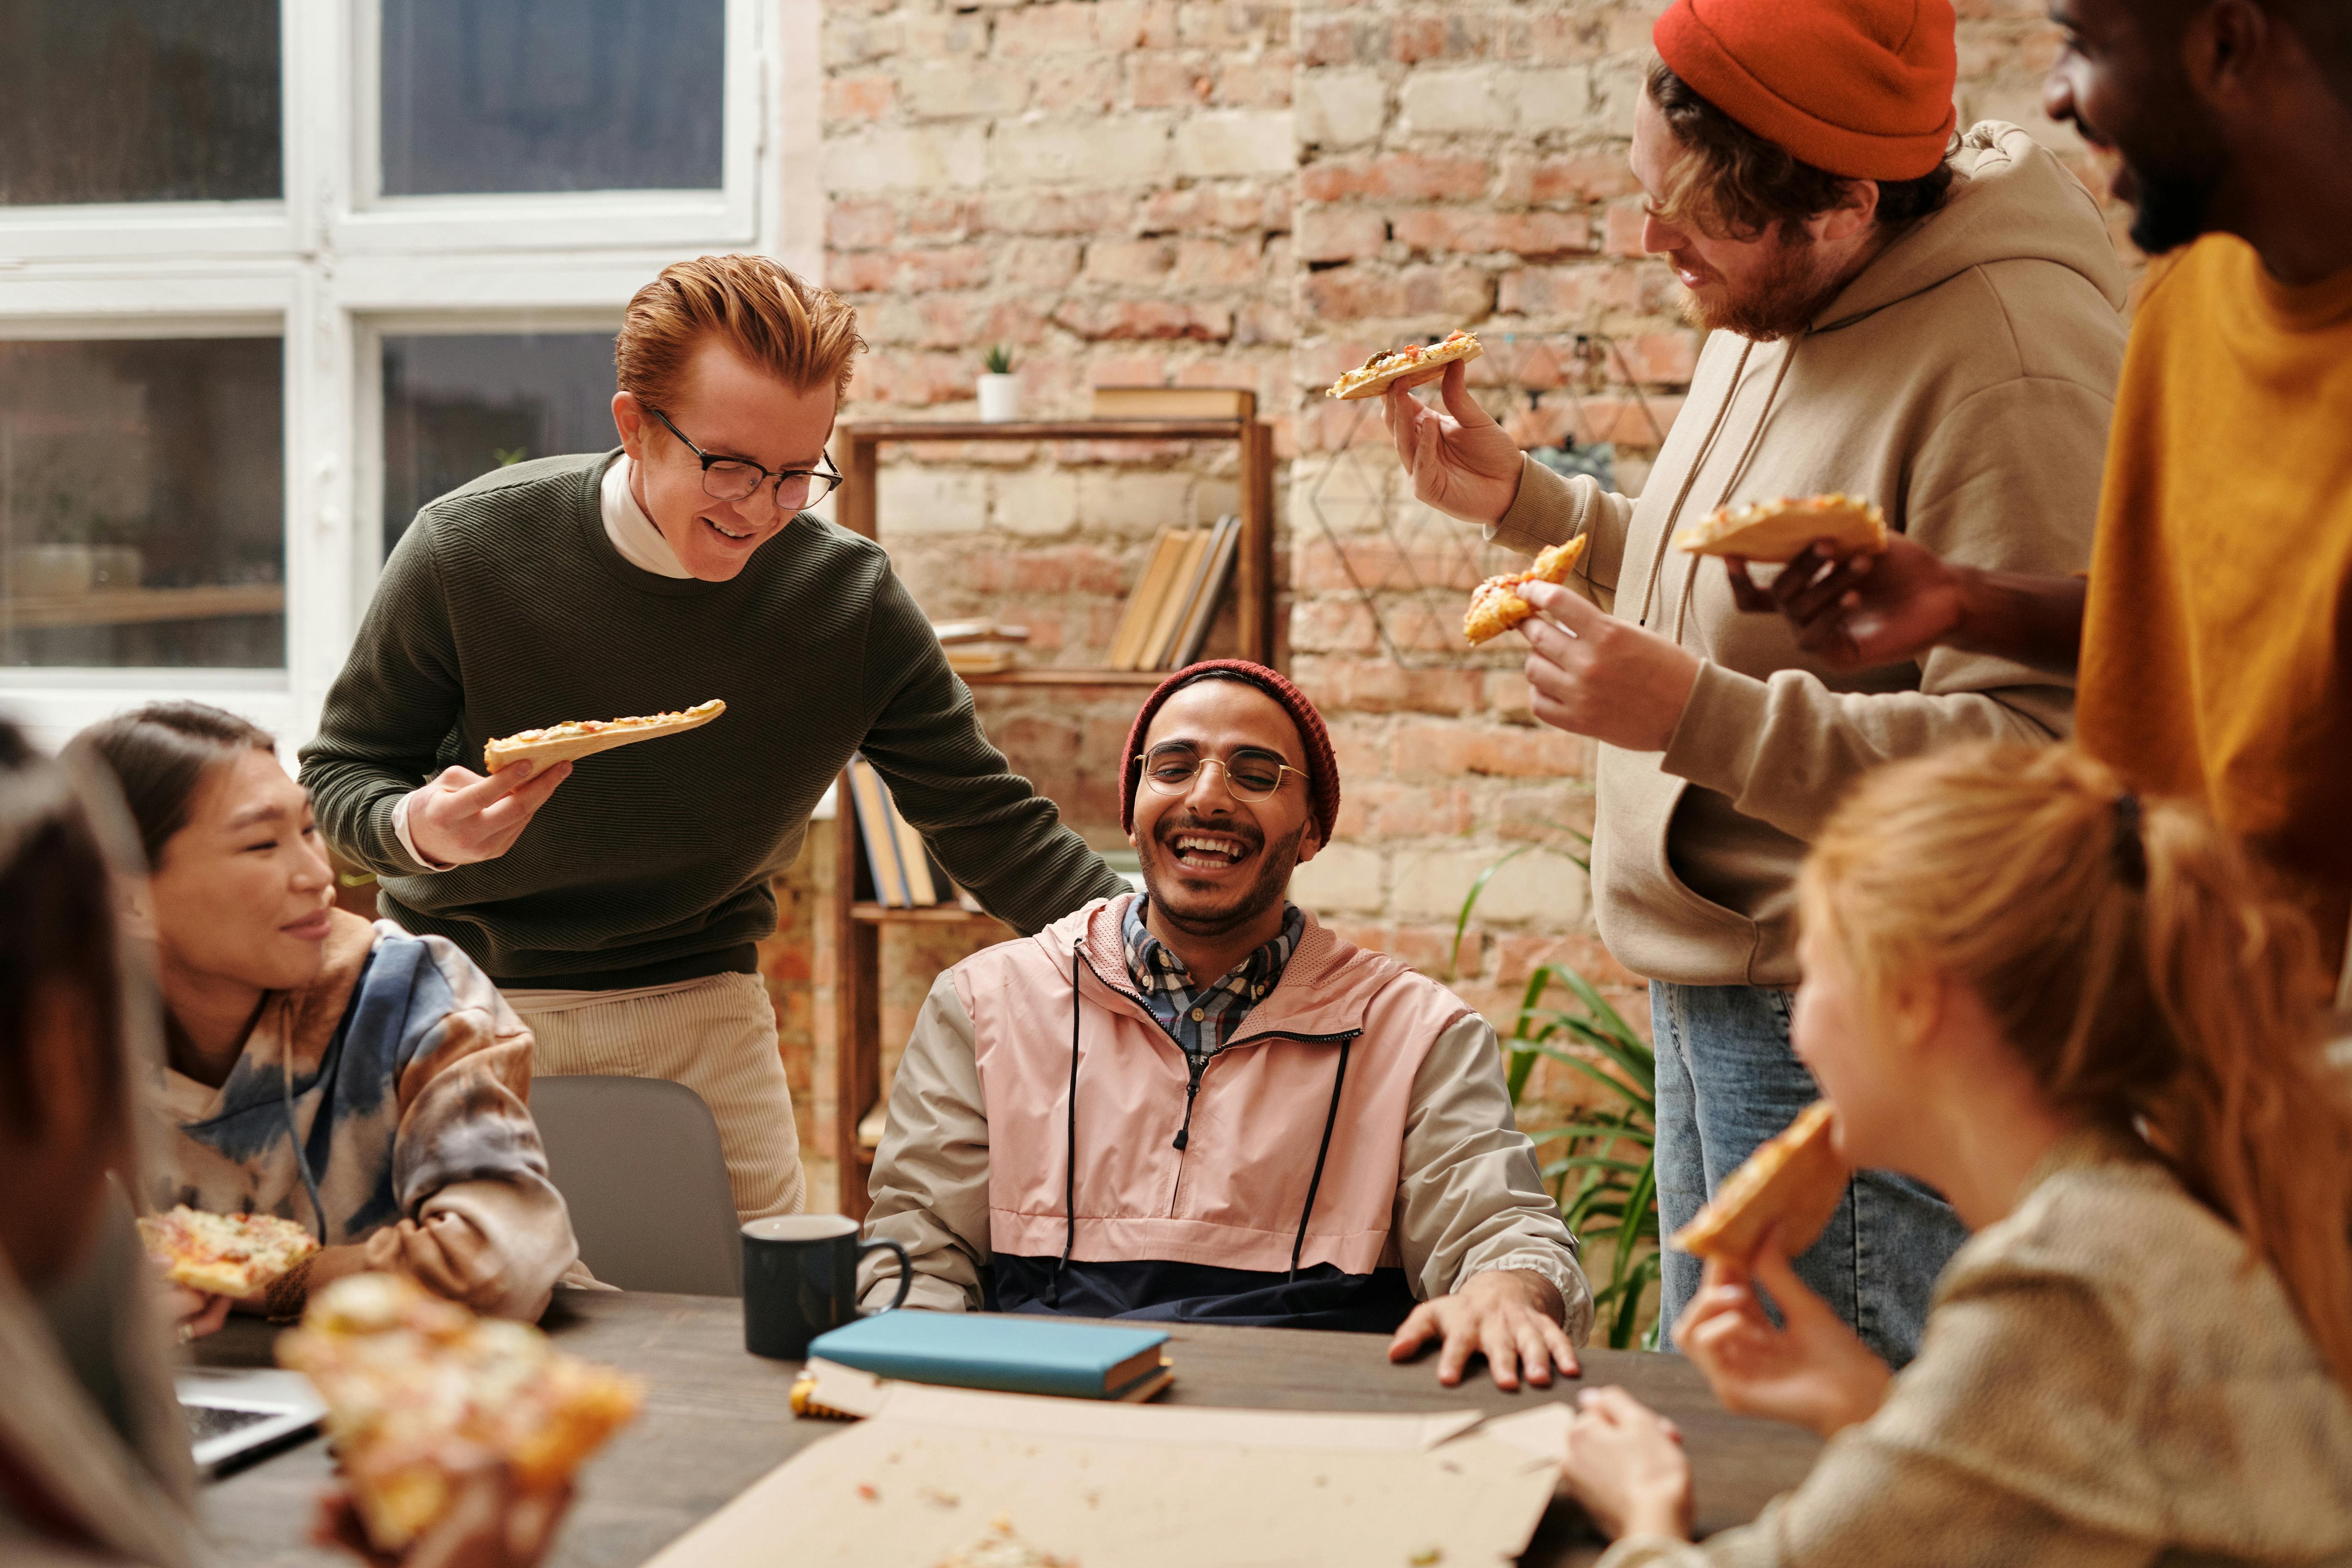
<point>370,1085</point>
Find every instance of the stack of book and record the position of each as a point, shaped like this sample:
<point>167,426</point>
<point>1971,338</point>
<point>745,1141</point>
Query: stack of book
<point>980,647</point>
<point>1169,611</point>
<point>899,871</point>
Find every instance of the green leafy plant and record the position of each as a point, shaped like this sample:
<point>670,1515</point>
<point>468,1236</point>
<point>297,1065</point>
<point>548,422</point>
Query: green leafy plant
<point>998,360</point>
<point>1605,1178</point>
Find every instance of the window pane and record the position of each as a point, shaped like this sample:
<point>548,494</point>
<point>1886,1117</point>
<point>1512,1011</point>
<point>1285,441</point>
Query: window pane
<point>552,95</point>
<point>143,503</point>
<point>456,408</point>
<point>138,100</point>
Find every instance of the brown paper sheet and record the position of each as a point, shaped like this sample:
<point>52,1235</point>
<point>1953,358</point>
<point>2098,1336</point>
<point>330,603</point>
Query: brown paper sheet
<point>1117,1486</point>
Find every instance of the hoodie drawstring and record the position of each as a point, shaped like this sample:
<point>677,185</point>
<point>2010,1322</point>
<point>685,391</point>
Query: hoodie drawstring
<point>1070,1170</point>
<point>1698,462</point>
<point>294,1136</point>
<point>1331,1119</point>
<point>1738,469</point>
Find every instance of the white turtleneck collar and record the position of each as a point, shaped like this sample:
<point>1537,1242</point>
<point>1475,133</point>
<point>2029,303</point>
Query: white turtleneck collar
<point>632,533</point>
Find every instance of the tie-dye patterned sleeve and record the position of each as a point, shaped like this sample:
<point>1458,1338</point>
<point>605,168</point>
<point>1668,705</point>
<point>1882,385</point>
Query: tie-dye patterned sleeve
<point>466,1159</point>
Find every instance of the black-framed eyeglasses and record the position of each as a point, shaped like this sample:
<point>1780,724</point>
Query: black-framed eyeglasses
<point>740,479</point>
<point>1172,766</point>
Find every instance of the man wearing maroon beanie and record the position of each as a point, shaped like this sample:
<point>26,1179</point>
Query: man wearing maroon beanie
<point>1929,324</point>
<point>1200,1104</point>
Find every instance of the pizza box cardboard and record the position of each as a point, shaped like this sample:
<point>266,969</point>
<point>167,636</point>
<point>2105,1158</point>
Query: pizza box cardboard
<point>932,1469</point>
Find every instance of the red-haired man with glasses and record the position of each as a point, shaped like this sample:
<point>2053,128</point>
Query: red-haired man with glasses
<point>618,908</point>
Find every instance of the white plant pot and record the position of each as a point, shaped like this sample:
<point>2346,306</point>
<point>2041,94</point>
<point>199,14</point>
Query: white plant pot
<point>999,398</point>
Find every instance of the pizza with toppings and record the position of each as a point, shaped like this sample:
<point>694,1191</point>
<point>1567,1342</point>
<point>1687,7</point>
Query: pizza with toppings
<point>1408,367</point>
<point>1781,530</point>
<point>236,1255</point>
<point>1496,605</point>
<point>586,737</point>
<point>1795,1179</point>
<point>419,1392</point>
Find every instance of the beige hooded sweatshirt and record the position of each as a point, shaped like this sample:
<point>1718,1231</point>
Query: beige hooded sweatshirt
<point>1964,380</point>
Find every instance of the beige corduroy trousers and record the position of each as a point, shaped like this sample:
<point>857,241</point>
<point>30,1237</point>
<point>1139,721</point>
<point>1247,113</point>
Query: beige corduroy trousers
<point>717,1035</point>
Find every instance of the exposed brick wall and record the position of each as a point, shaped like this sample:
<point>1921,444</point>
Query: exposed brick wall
<point>1461,166</point>
<point>1260,195</point>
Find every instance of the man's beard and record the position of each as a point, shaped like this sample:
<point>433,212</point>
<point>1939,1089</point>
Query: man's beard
<point>2169,179</point>
<point>1277,861</point>
<point>2171,207</point>
<point>1778,302</point>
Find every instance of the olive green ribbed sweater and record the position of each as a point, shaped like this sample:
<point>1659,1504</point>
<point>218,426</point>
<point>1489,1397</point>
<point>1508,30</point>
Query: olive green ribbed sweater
<point>506,607</point>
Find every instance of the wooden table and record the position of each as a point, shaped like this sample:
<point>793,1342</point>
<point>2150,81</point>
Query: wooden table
<point>716,1420</point>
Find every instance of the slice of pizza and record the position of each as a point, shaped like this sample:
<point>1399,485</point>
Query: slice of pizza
<point>1496,605</point>
<point>236,1255</point>
<point>1781,530</point>
<point>1794,1179</point>
<point>586,737</point>
<point>419,1392</point>
<point>1408,367</point>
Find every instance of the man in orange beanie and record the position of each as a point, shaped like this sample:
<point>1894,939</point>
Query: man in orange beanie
<point>2215,654</point>
<point>1935,325</point>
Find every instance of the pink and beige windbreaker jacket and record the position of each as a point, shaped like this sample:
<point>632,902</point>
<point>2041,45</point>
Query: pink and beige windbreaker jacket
<point>1351,1150</point>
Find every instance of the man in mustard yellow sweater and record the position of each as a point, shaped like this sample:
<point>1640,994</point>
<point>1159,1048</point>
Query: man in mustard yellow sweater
<point>2213,637</point>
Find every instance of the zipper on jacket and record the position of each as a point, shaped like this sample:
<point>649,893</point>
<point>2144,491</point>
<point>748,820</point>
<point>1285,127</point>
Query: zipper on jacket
<point>1196,1068</point>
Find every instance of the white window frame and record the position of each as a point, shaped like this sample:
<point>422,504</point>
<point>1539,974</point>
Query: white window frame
<point>334,267</point>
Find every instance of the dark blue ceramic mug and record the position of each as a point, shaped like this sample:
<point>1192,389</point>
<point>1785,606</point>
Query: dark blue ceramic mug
<point>800,1278</point>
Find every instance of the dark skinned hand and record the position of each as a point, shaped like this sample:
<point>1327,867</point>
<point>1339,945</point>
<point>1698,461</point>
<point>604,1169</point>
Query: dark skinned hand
<point>1863,611</point>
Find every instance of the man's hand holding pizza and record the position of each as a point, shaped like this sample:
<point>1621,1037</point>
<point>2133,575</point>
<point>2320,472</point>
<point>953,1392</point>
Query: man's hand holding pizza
<point>1460,460</point>
<point>1510,1315</point>
<point>461,817</point>
<point>1595,675</point>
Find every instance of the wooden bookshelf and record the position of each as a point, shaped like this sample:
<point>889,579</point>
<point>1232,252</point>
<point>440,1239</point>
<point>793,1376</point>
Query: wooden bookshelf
<point>858,926</point>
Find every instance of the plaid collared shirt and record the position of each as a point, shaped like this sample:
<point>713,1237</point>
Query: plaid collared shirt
<point>1201,1019</point>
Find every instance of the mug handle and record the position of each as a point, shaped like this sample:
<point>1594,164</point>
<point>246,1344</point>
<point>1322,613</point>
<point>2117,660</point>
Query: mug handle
<point>906,1275</point>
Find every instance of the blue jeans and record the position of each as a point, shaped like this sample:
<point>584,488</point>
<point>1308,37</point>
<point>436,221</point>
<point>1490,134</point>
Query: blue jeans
<point>1726,1081</point>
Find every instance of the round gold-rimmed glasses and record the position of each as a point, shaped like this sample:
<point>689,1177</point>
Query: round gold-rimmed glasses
<point>1250,776</point>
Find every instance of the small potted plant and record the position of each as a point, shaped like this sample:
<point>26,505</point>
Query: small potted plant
<point>1000,389</point>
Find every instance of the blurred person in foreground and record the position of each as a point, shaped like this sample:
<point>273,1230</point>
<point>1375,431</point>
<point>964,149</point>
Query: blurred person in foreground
<point>619,908</point>
<point>369,1085</point>
<point>94,1466</point>
<point>2210,644</point>
<point>1932,324</point>
<point>1200,1105</point>
<point>2072,1010</point>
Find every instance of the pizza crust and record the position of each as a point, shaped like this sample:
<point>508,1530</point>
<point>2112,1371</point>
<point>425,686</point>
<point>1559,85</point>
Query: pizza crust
<point>1795,1179</point>
<point>1779,531</point>
<point>1495,604</point>
<point>419,1392</point>
<point>586,737</point>
<point>234,1255</point>
<point>1408,367</point>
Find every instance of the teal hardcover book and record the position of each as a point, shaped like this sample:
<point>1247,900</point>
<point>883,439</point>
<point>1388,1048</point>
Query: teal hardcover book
<point>1010,1356</point>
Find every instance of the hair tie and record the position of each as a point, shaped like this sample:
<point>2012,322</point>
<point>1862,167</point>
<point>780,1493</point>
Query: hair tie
<point>2130,848</point>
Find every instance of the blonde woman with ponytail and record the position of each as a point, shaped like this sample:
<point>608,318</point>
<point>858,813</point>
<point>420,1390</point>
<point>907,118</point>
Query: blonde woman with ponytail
<point>2075,1013</point>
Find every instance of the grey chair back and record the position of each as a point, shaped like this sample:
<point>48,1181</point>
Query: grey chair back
<point>638,1160</point>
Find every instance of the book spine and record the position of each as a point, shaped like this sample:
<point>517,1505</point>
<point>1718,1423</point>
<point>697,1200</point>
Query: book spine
<point>1072,1383</point>
<point>1203,613</point>
<point>874,829</point>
